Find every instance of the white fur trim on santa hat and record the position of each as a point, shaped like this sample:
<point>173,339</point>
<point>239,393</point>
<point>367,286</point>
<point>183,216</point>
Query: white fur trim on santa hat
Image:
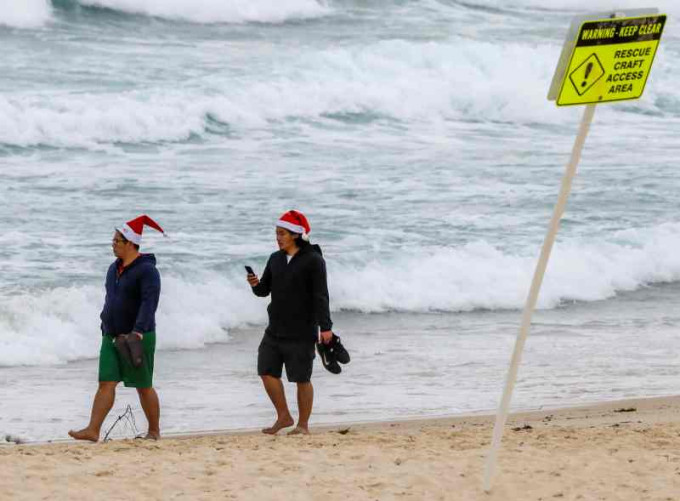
<point>295,228</point>
<point>130,234</point>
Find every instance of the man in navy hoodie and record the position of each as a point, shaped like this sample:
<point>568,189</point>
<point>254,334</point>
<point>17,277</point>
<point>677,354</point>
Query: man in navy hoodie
<point>295,276</point>
<point>133,287</point>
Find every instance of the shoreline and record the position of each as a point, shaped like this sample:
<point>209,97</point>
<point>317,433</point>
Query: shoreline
<point>482,416</point>
<point>641,404</point>
<point>623,449</point>
<point>42,402</point>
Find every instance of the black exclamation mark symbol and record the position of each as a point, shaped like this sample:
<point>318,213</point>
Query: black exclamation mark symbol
<point>589,68</point>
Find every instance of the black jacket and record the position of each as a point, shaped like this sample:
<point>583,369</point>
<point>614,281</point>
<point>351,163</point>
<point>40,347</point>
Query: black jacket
<point>299,304</point>
<point>132,297</point>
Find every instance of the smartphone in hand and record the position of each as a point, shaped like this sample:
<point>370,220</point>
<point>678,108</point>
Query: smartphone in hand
<point>249,270</point>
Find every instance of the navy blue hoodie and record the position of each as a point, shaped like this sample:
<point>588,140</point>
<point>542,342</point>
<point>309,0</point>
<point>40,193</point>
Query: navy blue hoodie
<point>132,297</point>
<point>299,302</point>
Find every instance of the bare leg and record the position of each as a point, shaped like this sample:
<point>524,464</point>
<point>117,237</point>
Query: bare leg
<point>152,410</point>
<point>305,399</point>
<point>277,395</point>
<point>103,401</point>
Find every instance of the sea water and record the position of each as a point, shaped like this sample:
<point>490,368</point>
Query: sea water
<point>415,135</point>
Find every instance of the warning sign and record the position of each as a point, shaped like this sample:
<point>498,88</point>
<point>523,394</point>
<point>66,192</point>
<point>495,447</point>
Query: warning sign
<point>587,74</point>
<point>611,60</point>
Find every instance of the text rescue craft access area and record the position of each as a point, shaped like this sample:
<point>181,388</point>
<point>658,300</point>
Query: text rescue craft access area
<point>611,60</point>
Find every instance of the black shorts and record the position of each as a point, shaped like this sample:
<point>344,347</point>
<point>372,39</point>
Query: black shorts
<point>297,356</point>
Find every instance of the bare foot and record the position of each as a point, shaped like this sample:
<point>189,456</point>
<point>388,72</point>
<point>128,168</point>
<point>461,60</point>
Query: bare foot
<point>153,435</point>
<point>299,430</point>
<point>84,434</point>
<point>149,436</point>
<point>280,423</point>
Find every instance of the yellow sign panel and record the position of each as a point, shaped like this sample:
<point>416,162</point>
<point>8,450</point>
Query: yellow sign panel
<point>611,60</point>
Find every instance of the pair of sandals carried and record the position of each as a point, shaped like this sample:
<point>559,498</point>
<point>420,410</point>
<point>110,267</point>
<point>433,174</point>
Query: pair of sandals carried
<point>332,353</point>
<point>130,349</point>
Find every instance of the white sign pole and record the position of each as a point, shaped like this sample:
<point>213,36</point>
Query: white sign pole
<point>502,415</point>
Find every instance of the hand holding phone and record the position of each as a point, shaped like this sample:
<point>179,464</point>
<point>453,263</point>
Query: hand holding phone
<point>251,277</point>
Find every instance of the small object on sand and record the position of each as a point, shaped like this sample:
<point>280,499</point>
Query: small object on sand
<point>523,428</point>
<point>344,431</point>
<point>13,439</point>
<point>626,409</point>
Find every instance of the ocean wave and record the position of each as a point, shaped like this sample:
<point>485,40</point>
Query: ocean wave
<point>219,11</point>
<point>25,13</point>
<point>580,6</point>
<point>60,325</point>
<point>480,276</point>
<point>85,121</point>
<point>406,81</point>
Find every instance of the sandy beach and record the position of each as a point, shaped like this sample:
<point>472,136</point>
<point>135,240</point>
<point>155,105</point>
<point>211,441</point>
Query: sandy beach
<point>422,145</point>
<point>624,450</point>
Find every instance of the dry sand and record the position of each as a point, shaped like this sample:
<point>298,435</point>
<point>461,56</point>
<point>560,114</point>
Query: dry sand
<point>627,450</point>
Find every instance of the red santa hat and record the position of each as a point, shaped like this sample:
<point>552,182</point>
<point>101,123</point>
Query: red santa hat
<point>132,230</point>
<point>296,222</point>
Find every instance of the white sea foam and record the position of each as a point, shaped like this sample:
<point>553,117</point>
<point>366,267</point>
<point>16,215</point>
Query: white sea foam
<point>62,324</point>
<point>25,13</point>
<point>416,82</point>
<point>585,6</point>
<point>219,11</point>
<point>89,120</point>
<point>479,276</point>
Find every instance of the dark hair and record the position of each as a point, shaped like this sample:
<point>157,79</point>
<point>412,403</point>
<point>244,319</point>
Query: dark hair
<point>301,242</point>
<point>125,240</point>
<point>297,238</point>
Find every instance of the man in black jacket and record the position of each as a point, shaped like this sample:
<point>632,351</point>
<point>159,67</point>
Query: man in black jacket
<point>295,276</point>
<point>133,287</point>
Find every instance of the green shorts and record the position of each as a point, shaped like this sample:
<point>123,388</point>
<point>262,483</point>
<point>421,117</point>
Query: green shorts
<point>113,368</point>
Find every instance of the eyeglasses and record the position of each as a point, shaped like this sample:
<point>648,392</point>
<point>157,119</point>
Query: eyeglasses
<point>117,241</point>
